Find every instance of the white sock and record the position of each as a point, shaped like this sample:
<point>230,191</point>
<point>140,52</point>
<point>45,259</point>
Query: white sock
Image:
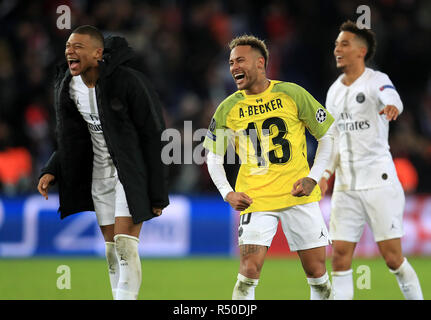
<point>130,279</point>
<point>244,288</point>
<point>114,272</point>
<point>320,288</point>
<point>342,284</point>
<point>408,281</point>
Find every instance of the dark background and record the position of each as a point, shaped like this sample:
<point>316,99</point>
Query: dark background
<point>182,47</point>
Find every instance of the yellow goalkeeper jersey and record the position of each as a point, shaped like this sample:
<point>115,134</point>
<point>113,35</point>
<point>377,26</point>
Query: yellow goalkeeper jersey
<point>267,131</point>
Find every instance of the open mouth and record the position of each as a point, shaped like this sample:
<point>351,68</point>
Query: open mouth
<point>73,63</point>
<point>239,77</point>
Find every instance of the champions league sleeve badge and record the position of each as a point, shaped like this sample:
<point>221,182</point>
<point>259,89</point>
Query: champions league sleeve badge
<point>212,125</point>
<point>211,129</point>
<point>320,115</point>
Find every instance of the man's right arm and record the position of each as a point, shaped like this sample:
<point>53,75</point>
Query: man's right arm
<point>238,200</point>
<point>216,141</point>
<point>218,174</point>
<point>52,166</point>
<point>48,175</point>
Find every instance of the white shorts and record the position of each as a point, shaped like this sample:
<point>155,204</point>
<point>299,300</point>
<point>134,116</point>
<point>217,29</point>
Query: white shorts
<point>109,200</point>
<point>303,226</point>
<point>382,208</point>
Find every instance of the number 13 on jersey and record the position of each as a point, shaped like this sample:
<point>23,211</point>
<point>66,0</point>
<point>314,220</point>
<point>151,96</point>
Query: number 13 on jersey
<point>273,132</point>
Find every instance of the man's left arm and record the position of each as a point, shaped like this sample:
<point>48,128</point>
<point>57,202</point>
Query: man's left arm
<point>304,186</point>
<point>146,113</point>
<point>318,122</point>
<point>388,96</point>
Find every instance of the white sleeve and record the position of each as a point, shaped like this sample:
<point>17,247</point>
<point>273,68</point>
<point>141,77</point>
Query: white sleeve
<point>323,154</point>
<point>386,91</point>
<point>333,131</point>
<point>334,158</point>
<point>218,174</point>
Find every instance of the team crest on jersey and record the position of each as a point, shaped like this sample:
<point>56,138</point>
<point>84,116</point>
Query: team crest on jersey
<point>360,97</point>
<point>320,115</point>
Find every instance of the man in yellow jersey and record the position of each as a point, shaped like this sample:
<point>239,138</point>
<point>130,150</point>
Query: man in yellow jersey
<point>266,120</point>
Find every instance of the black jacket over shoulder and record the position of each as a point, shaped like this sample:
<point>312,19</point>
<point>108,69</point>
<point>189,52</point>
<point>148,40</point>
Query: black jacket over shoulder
<point>131,117</point>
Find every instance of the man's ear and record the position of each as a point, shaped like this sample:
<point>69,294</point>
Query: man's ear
<point>99,53</point>
<point>363,51</point>
<point>261,62</point>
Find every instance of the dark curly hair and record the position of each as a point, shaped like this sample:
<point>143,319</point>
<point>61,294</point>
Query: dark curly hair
<point>254,42</point>
<point>364,34</point>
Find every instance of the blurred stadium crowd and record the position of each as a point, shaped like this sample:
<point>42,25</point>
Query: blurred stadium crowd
<point>182,46</point>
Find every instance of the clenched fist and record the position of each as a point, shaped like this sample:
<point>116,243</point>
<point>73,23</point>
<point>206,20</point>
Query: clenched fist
<point>303,187</point>
<point>239,200</point>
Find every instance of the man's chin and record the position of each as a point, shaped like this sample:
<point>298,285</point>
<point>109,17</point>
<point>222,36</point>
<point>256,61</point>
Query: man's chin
<point>75,72</point>
<point>341,67</point>
<point>241,86</point>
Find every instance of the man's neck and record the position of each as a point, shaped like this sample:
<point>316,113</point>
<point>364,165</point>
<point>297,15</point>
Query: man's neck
<point>90,77</point>
<point>258,87</point>
<point>351,73</point>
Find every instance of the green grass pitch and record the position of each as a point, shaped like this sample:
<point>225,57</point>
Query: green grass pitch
<point>189,279</point>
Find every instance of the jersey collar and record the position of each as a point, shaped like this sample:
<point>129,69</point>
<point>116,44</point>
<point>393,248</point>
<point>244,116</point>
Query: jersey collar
<point>358,80</point>
<point>267,90</point>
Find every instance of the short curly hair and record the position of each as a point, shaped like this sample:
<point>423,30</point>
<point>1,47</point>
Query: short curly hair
<point>367,35</point>
<point>254,42</point>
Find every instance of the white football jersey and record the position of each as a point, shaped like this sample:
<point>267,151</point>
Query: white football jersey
<point>363,160</point>
<point>86,102</point>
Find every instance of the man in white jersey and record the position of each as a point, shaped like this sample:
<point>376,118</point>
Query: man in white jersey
<point>109,127</point>
<point>366,189</point>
